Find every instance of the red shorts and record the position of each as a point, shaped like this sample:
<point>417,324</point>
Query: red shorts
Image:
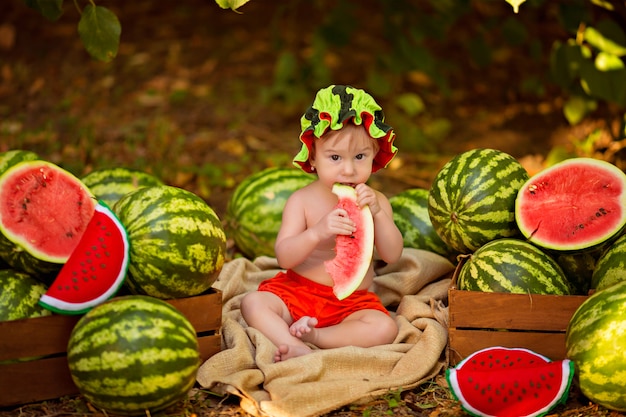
<point>304,297</point>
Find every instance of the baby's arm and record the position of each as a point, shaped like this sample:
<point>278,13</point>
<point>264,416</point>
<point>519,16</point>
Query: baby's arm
<point>295,242</point>
<point>387,238</point>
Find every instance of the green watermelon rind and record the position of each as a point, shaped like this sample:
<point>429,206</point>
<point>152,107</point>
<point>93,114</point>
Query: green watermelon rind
<point>610,268</point>
<point>529,230</point>
<point>512,266</point>
<point>15,156</point>
<point>254,211</point>
<point>19,295</point>
<point>410,214</point>
<point>472,198</point>
<point>177,242</point>
<point>136,380</point>
<point>57,305</point>
<point>111,184</point>
<point>595,340</point>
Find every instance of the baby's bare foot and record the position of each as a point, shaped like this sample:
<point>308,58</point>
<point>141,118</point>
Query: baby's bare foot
<point>285,352</point>
<point>302,326</point>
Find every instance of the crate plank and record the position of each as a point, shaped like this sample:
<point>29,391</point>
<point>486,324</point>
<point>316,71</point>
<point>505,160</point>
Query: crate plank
<point>49,377</point>
<point>465,342</point>
<point>474,309</point>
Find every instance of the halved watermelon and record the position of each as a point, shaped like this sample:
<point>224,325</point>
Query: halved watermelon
<point>510,382</point>
<point>353,252</point>
<point>95,270</point>
<point>577,204</point>
<point>44,210</point>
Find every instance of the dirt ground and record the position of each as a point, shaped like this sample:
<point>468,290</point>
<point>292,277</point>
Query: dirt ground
<point>184,100</point>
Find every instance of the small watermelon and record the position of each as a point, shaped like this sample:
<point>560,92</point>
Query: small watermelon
<point>472,198</point>
<point>353,252</point>
<point>177,242</point>
<point>133,355</point>
<point>14,156</point>
<point>410,214</point>
<point>573,205</point>
<point>95,270</point>
<point>44,211</point>
<point>19,293</point>
<point>611,266</point>
<point>595,340</point>
<point>111,184</point>
<point>513,266</point>
<point>254,212</point>
<point>510,382</point>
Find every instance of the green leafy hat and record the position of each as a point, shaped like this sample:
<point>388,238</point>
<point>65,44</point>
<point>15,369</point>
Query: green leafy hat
<point>337,105</point>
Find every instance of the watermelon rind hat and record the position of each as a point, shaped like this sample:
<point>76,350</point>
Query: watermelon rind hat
<point>335,106</point>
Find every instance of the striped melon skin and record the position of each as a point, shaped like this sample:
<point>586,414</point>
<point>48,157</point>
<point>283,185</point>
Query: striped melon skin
<point>512,266</point>
<point>254,212</point>
<point>111,184</point>
<point>611,266</point>
<point>15,156</point>
<point>595,340</point>
<point>177,242</point>
<point>472,198</point>
<point>19,295</point>
<point>133,354</point>
<point>410,214</point>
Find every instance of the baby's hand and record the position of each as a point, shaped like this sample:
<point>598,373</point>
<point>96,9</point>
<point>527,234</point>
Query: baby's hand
<point>335,223</point>
<point>365,196</point>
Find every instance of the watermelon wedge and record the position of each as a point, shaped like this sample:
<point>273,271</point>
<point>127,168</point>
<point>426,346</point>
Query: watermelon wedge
<point>353,252</point>
<point>510,382</point>
<point>574,205</point>
<point>95,270</point>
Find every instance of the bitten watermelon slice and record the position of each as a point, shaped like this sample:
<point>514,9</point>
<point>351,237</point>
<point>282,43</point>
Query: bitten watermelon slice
<point>510,382</point>
<point>95,270</point>
<point>353,252</point>
<point>577,204</point>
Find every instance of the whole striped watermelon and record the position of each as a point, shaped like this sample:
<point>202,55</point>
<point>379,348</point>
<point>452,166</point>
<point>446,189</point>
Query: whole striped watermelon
<point>177,242</point>
<point>19,295</point>
<point>410,214</point>
<point>133,355</point>
<point>14,156</point>
<point>611,266</point>
<point>512,266</point>
<point>254,212</point>
<point>595,340</point>
<point>111,184</point>
<point>472,198</point>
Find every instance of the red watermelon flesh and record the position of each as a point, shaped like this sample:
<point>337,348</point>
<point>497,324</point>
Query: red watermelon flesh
<point>573,205</point>
<point>353,252</point>
<point>95,270</point>
<point>510,382</point>
<point>44,209</point>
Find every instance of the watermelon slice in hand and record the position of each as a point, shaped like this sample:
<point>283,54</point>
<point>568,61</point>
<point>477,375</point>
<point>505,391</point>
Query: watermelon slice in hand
<point>353,252</point>
<point>96,268</point>
<point>510,382</point>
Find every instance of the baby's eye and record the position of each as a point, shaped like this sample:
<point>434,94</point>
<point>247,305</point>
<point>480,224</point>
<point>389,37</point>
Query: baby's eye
<point>334,157</point>
<point>360,156</point>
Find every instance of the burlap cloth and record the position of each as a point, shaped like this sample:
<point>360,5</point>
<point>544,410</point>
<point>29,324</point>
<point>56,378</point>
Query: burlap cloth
<point>325,380</point>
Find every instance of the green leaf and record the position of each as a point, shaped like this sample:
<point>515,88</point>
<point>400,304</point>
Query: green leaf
<point>50,9</point>
<point>231,4</point>
<point>515,4</point>
<point>604,85</point>
<point>608,62</point>
<point>411,103</point>
<point>100,30</point>
<point>576,108</point>
<point>607,37</point>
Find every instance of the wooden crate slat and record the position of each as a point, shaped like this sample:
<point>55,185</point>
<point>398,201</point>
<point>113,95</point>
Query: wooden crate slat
<point>209,346</point>
<point>27,382</point>
<point>474,309</point>
<point>204,312</point>
<point>465,342</point>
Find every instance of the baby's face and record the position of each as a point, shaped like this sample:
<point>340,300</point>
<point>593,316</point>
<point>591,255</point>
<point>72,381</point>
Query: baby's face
<point>344,156</point>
